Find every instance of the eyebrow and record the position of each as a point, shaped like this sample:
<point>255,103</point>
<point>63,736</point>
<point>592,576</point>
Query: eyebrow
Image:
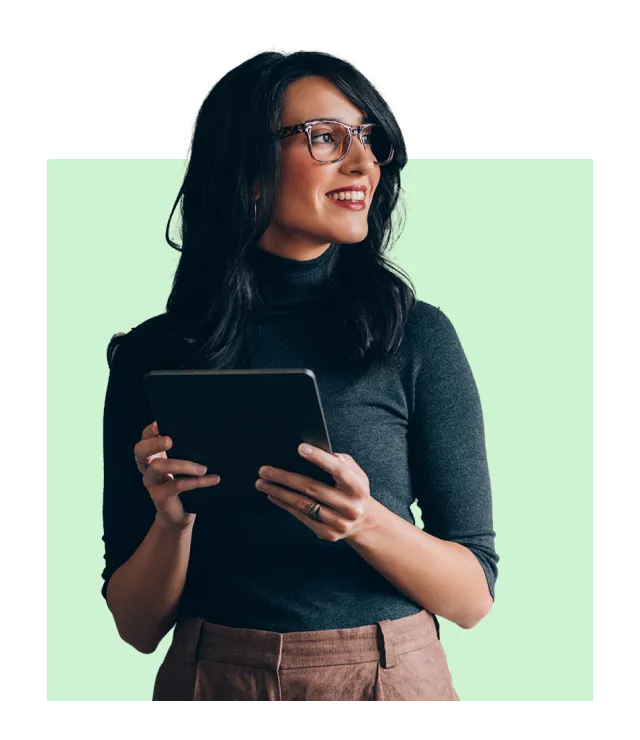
<point>334,118</point>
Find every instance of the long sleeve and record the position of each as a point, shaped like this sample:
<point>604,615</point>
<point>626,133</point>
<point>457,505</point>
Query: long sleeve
<point>128,511</point>
<point>447,450</point>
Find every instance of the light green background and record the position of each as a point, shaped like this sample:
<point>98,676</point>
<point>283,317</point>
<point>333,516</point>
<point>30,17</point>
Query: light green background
<point>504,248</point>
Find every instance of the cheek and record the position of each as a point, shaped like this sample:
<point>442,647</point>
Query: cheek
<point>375,179</point>
<point>302,186</point>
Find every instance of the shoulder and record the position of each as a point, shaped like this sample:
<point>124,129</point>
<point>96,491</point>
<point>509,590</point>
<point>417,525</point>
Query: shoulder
<point>146,342</point>
<point>426,324</point>
<point>431,342</point>
<point>152,329</point>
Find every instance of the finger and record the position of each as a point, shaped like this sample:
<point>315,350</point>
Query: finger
<point>188,484</point>
<point>323,531</point>
<point>161,468</point>
<point>342,497</point>
<point>343,502</point>
<point>168,488</point>
<point>350,462</point>
<point>151,430</point>
<point>163,492</point>
<point>314,489</point>
<point>144,449</point>
<point>337,467</point>
<point>150,444</point>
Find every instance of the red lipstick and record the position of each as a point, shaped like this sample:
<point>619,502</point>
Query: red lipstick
<point>353,205</point>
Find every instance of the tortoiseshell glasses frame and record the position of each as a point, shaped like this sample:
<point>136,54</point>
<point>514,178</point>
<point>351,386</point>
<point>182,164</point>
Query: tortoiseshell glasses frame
<point>306,126</point>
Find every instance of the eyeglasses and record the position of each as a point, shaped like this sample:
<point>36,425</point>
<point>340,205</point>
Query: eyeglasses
<point>330,141</point>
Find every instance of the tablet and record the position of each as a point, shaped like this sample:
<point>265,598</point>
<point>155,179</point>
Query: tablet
<point>236,421</point>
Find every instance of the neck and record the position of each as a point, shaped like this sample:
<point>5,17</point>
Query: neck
<point>293,253</point>
<point>275,242</point>
<point>287,282</point>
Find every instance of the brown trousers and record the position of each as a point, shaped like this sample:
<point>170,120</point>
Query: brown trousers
<point>391,660</point>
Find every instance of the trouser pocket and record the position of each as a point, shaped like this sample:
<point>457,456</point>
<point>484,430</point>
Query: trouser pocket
<point>419,675</point>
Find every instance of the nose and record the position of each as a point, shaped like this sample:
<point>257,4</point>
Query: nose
<point>359,154</point>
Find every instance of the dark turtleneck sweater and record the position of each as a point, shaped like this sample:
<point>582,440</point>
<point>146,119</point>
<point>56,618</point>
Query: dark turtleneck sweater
<point>415,428</point>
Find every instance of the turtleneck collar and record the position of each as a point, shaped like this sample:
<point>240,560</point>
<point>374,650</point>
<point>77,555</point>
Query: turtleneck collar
<point>286,283</point>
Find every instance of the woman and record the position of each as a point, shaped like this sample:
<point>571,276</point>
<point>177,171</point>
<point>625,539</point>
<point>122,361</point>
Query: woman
<point>297,590</point>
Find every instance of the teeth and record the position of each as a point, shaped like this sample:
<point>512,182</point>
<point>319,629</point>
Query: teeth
<point>347,195</point>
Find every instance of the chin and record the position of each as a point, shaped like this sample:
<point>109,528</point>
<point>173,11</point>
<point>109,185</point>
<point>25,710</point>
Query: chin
<point>350,237</point>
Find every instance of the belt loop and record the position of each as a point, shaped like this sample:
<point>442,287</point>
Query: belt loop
<point>193,639</point>
<point>388,644</point>
<point>437,624</point>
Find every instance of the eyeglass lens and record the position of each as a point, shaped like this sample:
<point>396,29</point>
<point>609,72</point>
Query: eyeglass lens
<point>329,141</point>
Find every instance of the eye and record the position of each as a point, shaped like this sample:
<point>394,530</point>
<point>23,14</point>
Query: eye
<point>324,133</point>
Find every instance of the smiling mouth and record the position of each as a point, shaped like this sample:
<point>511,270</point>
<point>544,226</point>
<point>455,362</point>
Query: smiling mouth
<point>349,196</point>
<point>352,205</point>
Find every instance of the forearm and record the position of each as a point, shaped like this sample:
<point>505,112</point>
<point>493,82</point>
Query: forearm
<point>143,594</point>
<point>444,577</point>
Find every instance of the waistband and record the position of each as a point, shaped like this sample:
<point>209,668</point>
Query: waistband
<point>382,641</point>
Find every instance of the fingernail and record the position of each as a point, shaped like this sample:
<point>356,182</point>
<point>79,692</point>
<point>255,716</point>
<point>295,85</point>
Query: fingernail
<point>305,450</point>
<point>201,469</point>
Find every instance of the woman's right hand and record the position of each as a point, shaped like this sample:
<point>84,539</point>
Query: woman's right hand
<point>158,470</point>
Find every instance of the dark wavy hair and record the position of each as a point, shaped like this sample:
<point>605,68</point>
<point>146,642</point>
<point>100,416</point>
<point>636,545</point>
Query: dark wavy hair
<point>233,147</point>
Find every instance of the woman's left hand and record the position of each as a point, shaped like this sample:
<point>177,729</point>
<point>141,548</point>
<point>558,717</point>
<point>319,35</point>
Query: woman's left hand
<point>345,508</point>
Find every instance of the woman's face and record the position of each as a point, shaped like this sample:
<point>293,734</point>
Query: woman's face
<point>306,221</point>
